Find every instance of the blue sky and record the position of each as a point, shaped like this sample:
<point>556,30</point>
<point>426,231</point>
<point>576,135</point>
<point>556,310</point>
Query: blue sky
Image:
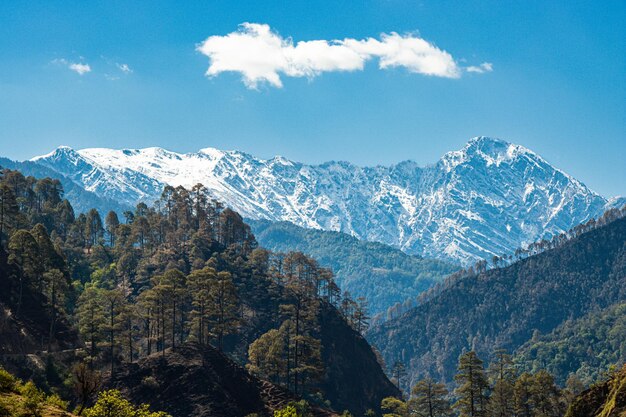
<point>558,84</point>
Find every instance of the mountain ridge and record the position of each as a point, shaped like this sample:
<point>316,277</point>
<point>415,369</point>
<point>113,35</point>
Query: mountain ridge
<point>486,199</point>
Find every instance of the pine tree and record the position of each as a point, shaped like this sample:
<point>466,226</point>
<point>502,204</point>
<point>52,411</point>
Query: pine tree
<point>398,372</point>
<point>267,356</point>
<point>360,316</point>
<point>522,395</point>
<point>114,305</point>
<point>91,318</point>
<point>9,211</point>
<point>429,399</point>
<point>24,255</point>
<point>56,284</point>
<point>502,373</point>
<point>473,386</point>
<point>224,307</point>
<point>200,283</point>
<point>546,396</point>
<point>112,223</point>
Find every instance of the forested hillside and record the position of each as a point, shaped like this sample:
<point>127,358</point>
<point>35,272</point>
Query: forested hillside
<point>381,274</point>
<point>587,347</point>
<point>506,307</point>
<point>152,280</point>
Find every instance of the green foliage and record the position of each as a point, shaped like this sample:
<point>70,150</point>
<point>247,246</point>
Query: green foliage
<point>586,347</point>
<point>8,383</point>
<point>393,407</point>
<point>33,399</point>
<point>295,409</point>
<point>111,404</point>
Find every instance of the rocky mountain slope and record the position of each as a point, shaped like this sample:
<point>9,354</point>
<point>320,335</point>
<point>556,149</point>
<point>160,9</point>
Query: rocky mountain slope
<point>506,307</point>
<point>486,199</point>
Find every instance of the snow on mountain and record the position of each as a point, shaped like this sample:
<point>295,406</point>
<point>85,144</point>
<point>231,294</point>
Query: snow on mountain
<point>486,199</point>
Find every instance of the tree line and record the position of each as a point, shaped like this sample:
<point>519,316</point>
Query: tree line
<point>496,391</point>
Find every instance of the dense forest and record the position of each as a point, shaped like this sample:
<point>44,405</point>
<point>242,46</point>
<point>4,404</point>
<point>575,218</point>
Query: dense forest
<point>150,280</point>
<point>587,347</point>
<point>508,306</point>
<point>383,275</point>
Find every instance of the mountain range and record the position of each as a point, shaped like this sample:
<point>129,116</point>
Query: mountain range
<point>486,199</point>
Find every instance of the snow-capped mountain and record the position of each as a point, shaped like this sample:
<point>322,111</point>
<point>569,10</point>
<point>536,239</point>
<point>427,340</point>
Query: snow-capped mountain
<point>486,199</point>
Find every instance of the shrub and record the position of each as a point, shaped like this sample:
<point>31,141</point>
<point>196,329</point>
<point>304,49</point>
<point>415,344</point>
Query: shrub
<point>33,399</point>
<point>8,382</point>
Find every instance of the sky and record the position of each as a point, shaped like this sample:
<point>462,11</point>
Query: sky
<point>372,82</point>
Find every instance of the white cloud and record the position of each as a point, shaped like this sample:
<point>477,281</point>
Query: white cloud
<point>80,68</point>
<point>261,55</point>
<point>77,67</point>
<point>124,68</point>
<point>480,69</point>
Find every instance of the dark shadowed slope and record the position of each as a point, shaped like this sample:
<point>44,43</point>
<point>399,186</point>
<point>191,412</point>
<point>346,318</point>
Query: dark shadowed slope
<point>194,381</point>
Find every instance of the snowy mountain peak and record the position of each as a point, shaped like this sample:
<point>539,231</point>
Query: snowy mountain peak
<point>485,199</point>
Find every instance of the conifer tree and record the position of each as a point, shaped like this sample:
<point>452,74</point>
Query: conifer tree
<point>522,395</point>
<point>472,391</point>
<point>398,372</point>
<point>56,284</point>
<point>112,223</point>
<point>91,318</point>
<point>24,255</point>
<point>200,283</point>
<point>224,307</point>
<point>429,399</point>
<point>502,374</point>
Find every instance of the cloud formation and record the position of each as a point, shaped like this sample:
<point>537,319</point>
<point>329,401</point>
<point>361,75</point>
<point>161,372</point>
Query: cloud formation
<point>480,69</point>
<point>78,67</point>
<point>124,68</point>
<point>261,55</point>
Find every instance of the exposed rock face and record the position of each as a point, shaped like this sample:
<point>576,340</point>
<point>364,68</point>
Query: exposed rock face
<point>486,199</point>
<point>194,381</point>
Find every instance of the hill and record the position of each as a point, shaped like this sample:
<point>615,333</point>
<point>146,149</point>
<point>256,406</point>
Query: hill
<point>191,380</point>
<point>505,307</point>
<point>587,347</point>
<point>382,274</point>
<point>186,270</point>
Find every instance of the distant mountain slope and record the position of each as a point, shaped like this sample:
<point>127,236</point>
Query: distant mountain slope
<point>587,347</point>
<point>486,199</point>
<point>81,199</point>
<point>503,308</point>
<point>380,273</point>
